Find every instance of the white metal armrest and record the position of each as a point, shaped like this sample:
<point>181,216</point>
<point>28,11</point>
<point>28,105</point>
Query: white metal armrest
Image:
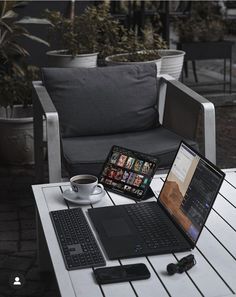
<point>175,111</point>
<point>44,108</point>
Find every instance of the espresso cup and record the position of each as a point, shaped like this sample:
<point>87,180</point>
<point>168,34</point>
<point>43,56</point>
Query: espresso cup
<point>86,186</point>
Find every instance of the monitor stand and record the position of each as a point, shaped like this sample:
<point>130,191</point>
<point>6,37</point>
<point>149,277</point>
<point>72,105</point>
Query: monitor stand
<point>149,194</point>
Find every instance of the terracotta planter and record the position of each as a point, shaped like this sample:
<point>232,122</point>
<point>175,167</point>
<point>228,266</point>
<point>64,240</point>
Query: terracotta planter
<point>59,58</point>
<point>110,61</point>
<point>172,62</point>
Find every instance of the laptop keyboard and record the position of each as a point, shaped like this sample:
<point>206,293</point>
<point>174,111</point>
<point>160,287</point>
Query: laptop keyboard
<point>151,225</point>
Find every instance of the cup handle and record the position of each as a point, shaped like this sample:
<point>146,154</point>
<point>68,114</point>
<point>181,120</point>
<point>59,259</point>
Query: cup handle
<point>101,186</point>
<point>98,186</point>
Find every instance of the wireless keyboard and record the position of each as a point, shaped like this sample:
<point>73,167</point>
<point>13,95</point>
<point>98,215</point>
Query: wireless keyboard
<point>77,242</point>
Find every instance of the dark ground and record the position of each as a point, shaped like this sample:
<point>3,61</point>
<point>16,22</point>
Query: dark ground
<point>18,235</point>
<point>17,212</point>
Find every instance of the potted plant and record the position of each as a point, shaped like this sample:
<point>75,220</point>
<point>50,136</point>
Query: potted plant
<point>16,116</point>
<point>83,37</point>
<point>206,23</point>
<point>150,47</point>
<point>133,49</point>
<point>201,33</point>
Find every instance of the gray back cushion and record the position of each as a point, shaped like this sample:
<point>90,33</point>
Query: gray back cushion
<point>106,100</point>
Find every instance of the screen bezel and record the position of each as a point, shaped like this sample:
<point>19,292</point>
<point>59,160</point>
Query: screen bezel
<point>209,163</point>
<point>138,155</point>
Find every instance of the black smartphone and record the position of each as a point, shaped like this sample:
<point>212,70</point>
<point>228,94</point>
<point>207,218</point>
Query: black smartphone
<point>123,273</point>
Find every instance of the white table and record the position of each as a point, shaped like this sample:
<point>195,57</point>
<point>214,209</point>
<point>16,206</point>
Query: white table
<point>214,274</point>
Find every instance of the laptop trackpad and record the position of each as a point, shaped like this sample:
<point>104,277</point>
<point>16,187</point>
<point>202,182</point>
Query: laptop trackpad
<point>116,227</point>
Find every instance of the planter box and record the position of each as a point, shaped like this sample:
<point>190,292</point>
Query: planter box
<point>209,50</point>
<point>206,50</point>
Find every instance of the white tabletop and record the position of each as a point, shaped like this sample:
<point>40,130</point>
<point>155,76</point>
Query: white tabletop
<point>215,253</point>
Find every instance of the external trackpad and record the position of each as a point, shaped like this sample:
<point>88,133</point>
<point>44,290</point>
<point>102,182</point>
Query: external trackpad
<point>116,227</point>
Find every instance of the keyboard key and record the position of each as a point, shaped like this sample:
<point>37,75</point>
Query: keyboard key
<point>151,226</point>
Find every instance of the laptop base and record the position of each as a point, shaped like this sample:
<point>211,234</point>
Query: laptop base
<point>120,237</point>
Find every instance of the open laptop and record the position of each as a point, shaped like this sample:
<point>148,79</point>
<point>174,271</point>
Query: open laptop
<point>128,173</point>
<point>174,222</point>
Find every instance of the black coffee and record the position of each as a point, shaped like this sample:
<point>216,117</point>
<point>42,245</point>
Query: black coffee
<point>84,181</point>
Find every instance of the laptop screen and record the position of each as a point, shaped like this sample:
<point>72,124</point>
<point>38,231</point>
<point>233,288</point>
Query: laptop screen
<point>128,172</point>
<point>190,190</point>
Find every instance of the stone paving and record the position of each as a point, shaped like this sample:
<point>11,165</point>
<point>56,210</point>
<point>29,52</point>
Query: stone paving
<point>18,236</point>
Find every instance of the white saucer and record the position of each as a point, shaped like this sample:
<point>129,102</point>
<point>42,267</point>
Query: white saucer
<point>71,196</point>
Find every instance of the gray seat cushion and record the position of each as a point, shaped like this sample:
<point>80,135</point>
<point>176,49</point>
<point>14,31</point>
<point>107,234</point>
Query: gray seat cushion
<point>105,100</point>
<point>87,154</point>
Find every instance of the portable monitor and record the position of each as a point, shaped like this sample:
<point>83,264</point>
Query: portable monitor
<point>129,173</point>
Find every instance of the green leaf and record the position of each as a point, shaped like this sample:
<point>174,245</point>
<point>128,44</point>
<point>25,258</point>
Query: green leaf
<point>19,49</point>
<point>3,36</point>
<point>10,14</point>
<point>37,39</point>
<point>29,20</point>
<point>4,24</point>
<point>20,4</point>
<point>4,5</point>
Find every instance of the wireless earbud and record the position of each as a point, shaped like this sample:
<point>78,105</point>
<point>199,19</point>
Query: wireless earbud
<point>184,264</point>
